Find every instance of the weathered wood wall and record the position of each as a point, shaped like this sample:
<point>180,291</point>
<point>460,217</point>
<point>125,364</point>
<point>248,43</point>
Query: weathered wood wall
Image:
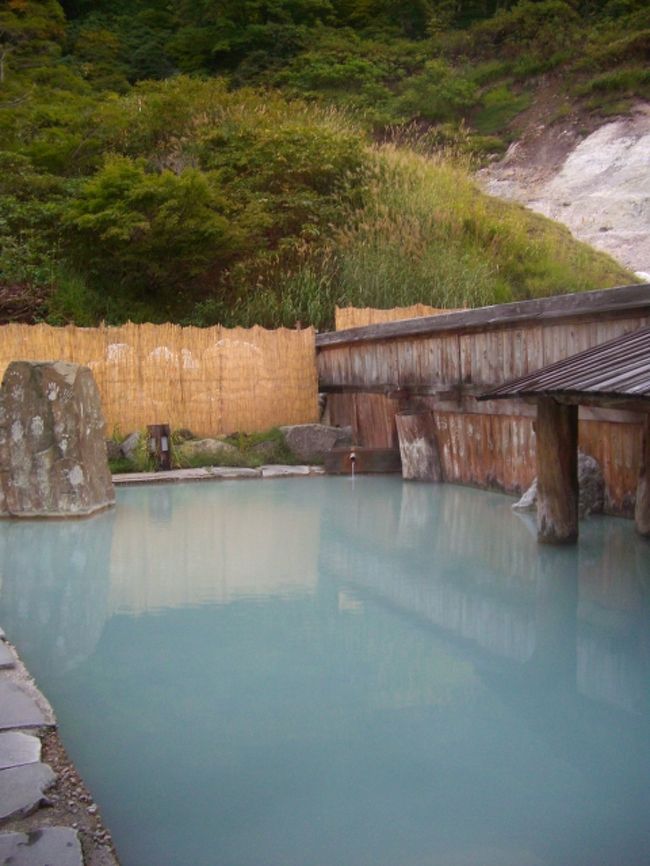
<point>489,444</point>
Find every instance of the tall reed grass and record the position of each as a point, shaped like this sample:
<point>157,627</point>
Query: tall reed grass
<point>426,234</point>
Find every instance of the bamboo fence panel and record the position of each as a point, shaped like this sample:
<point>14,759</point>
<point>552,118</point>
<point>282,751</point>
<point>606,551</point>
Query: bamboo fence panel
<point>359,317</point>
<point>212,380</point>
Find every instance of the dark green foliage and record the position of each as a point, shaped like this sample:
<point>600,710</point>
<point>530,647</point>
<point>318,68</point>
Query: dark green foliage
<point>148,233</point>
<point>436,94</point>
<point>210,160</point>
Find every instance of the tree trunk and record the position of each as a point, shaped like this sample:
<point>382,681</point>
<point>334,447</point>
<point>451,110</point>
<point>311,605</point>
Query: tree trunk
<point>418,445</point>
<point>557,472</point>
<point>642,509</point>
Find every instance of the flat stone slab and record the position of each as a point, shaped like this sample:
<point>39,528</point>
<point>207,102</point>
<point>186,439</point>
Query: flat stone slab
<point>280,471</point>
<point>205,473</point>
<point>23,788</point>
<point>19,709</point>
<point>7,658</point>
<point>17,749</point>
<point>51,846</point>
<point>215,473</point>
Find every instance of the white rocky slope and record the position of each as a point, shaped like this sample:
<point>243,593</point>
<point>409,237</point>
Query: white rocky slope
<point>598,186</point>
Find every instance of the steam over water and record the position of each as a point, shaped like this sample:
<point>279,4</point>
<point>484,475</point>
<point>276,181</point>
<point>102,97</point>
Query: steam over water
<point>310,672</point>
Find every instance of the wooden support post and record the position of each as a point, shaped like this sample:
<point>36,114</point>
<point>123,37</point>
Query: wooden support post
<point>642,509</point>
<point>557,472</point>
<point>418,445</point>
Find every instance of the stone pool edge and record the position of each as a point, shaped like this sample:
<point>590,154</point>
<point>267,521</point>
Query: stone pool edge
<point>216,473</point>
<point>46,811</point>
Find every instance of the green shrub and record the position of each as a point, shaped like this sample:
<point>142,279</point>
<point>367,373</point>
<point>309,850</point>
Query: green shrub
<point>626,80</point>
<point>438,93</point>
<point>528,28</point>
<point>143,231</point>
<point>499,106</point>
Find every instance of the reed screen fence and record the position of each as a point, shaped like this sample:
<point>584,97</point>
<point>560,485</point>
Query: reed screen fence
<point>359,317</point>
<point>210,380</point>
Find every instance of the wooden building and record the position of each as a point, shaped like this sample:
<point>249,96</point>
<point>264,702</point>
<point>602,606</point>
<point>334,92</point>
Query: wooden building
<point>611,374</point>
<point>443,363</point>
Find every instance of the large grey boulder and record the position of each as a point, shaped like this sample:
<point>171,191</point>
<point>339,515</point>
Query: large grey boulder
<point>591,489</point>
<point>130,445</point>
<point>52,448</point>
<point>313,441</point>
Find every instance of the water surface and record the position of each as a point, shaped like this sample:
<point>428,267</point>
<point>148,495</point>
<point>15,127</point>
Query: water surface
<point>310,672</point>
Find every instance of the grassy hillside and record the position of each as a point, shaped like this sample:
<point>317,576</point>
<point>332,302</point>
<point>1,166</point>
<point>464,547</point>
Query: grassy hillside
<point>261,162</point>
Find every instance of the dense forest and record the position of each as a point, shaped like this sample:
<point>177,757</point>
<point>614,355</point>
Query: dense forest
<point>259,161</point>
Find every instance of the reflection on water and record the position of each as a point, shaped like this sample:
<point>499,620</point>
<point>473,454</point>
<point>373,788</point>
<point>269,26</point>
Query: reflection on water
<point>249,541</point>
<point>313,672</point>
<point>55,586</point>
<point>464,562</point>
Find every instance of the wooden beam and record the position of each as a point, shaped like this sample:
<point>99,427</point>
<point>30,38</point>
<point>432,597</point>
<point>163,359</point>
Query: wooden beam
<point>418,445</point>
<point>612,402</point>
<point>642,508</point>
<point>442,390</point>
<point>557,472</point>
<point>625,299</point>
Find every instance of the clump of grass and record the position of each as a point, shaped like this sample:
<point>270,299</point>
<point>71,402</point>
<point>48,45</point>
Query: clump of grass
<point>500,106</point>
<point>122,465</point>
<point>253,450</point>
<point>627,80</point>
<point>429,235</point>
<point>199,461</point>
<point>263,448</point>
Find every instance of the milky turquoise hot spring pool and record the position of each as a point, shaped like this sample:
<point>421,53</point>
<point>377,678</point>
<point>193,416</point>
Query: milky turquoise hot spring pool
<point>311,672</point>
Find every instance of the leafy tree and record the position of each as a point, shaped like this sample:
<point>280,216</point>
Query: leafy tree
<point>100,56</point>
<point>148,233</point>
<point>29,29</point>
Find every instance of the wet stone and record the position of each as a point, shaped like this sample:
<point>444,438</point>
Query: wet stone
<point>310,441</point>
<point>22,789</point>
<point>17,749</point>
<point>281,471</point>
<point>51,846</point>
<point>18,709</point>
<point>7,659</point>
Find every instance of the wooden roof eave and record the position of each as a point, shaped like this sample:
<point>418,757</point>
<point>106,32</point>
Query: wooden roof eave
<point>621,300</point>
<point>577,398</point>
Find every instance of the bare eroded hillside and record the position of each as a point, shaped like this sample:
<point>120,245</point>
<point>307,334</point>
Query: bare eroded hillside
<point>597,184</point>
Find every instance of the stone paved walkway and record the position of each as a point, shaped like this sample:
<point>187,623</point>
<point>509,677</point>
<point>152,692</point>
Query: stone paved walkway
<point>35,828</point>
<point>52,846</point>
